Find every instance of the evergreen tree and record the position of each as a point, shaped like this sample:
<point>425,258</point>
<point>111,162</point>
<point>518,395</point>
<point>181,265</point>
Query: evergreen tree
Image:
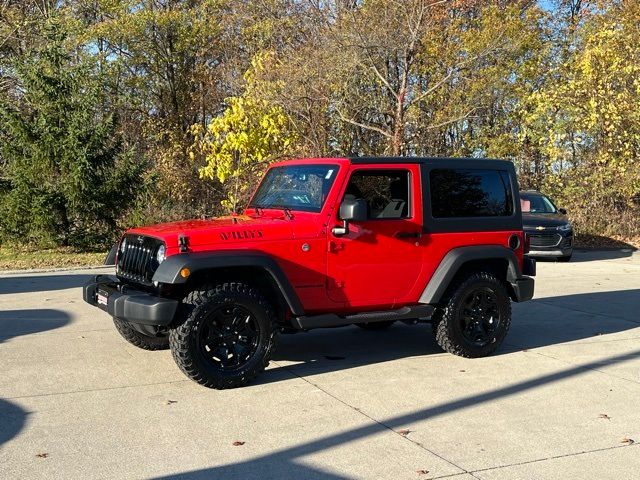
<point>66,175</point>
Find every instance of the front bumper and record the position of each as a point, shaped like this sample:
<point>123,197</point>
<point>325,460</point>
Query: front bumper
<point>550,244</point>
<point>123,301</point>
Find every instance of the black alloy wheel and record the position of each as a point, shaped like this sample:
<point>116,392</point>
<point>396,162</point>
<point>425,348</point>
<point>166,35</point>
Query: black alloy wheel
<point>225,335</point>
<point>474,317</point>
<point>479,316</point>
<point>229,337</point>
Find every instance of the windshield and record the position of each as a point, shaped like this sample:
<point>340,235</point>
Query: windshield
<point>295,187</point>
<point>536,204</point>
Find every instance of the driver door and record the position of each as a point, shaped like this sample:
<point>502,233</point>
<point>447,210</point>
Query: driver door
<point>379,260</point>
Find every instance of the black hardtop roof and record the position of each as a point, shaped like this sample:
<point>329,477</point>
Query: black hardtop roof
<point>441,161</point>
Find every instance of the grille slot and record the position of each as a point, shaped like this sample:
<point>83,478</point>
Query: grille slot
<point>544,239</point>
<point>138,261</point>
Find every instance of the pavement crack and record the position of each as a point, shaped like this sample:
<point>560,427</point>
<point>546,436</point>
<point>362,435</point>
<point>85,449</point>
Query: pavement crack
<point>374,420</point>
<point>553,457</point>
<point>89,390</point>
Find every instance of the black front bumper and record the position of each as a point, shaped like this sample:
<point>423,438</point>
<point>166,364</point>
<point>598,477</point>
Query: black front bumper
<point>122,301</point>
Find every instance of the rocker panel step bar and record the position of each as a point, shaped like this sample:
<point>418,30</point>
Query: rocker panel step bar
<point>332,320</point>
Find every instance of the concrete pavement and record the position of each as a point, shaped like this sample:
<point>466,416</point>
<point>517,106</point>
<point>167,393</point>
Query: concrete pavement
<point>559,400</point>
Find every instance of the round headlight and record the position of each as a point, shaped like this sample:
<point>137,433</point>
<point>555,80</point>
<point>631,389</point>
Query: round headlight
<point>123,245</point>
<point>161,253</point>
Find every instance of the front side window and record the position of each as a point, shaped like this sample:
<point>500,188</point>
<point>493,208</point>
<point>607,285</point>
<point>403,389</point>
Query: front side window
<point>385,191</point>
<point>295,187</point>
<point>457,193</point>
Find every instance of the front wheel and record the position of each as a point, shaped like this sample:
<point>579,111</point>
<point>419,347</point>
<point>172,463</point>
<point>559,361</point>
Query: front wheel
<point>227,335</point>
<point>475,317</point>
<point>140,340</point>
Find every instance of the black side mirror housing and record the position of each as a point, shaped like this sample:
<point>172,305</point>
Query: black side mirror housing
<point>563,211</point>
<point>351,210</point>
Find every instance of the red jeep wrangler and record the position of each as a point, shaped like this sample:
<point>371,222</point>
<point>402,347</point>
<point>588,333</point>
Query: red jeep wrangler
<point>325,243</point>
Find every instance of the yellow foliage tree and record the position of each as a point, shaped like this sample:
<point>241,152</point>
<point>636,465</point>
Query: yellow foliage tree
<point>238,144</point>
<point>588,120</point>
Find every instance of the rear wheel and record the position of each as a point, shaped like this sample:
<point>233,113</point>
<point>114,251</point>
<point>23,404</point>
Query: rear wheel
<point>140,340</point>
<point>475,317</point>
<point>227,335</point>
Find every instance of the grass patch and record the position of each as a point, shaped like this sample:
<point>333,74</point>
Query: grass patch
<point>23,258</point>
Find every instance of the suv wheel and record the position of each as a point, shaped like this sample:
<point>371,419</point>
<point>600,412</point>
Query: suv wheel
<point>475,317</point>
<point>140,340</point>
<point>227,335</point>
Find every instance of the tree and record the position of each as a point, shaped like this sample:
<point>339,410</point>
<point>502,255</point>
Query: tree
<point>238,144</point>
<point>67,177</point>
<point>591,117</point>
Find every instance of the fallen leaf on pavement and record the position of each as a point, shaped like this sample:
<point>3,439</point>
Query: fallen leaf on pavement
<point>42,455</point>
<point>404,432</point>
<point>169,402</point>
<point>422,472</point>
<point>237,443</point>
<point>604,416</point>
<point>628,441</point>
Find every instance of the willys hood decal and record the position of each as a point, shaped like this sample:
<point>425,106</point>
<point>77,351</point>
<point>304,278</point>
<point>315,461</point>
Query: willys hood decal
<point>219,230</point>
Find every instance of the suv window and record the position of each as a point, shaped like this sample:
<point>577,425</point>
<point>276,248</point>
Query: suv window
<point>470,193</point>
<point>386,192</point>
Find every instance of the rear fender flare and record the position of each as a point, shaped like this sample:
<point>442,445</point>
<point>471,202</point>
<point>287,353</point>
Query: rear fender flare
<point>455,259</point>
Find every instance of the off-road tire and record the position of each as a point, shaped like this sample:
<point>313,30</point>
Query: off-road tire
<point>140,340</point>
<point>376,325</point>
<point>186,348</point>
<point>446,326</point>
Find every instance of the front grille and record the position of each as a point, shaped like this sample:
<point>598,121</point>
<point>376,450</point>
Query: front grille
<point>544,239</point>
<point>138,261</point>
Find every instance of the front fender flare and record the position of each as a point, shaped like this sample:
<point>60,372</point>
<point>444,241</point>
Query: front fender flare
<point>169,270</point>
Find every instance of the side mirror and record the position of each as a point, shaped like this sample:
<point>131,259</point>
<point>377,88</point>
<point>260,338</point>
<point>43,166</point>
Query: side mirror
<point>563,211</point>
<point>351,210</point>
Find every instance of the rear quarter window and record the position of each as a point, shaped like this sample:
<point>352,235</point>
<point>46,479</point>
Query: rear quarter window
<point>457,193</point>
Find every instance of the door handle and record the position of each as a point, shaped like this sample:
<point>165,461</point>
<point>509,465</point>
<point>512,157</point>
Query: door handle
<point>402,235</point>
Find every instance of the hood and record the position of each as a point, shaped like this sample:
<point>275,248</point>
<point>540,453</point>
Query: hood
<point>548,220</point>
<point>219,230</point>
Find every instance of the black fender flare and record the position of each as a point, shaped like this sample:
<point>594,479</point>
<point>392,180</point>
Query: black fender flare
<point>169,270</point>
<point>452,262</point>
<point>110,259</point>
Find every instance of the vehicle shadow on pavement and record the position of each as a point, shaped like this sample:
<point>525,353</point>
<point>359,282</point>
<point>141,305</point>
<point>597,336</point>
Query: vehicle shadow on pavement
<point>287,463</point>
<point>16,323</point>
<point>41,283</point>
<point>537,323</point>
<point>12,420</point>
